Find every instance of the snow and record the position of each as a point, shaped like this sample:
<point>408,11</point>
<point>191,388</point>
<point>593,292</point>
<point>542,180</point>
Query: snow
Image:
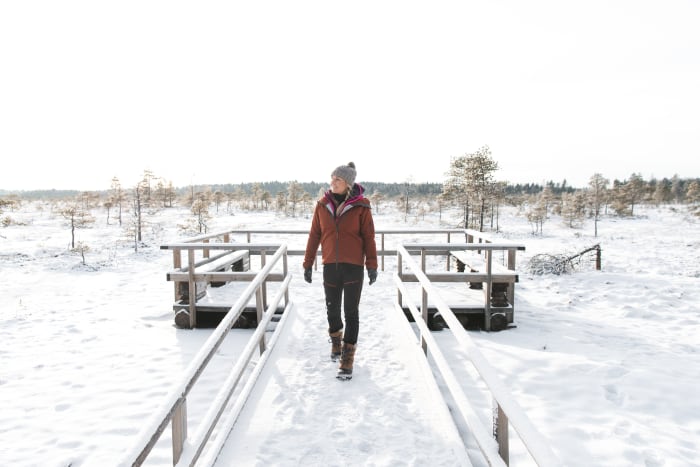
<point>604,363</point>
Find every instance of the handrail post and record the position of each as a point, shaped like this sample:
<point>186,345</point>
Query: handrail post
<point>177,258</point>
<point>424,301</point>
<point>179,428</point>
<point>263,256</point>
<point>487,292</point>
<point>259,313</point>
<point>511,259</point>
<point>285,271</point>
<point>399,272</point>
<point>500,431</point>
<point>177,264</point>
<point>447,256</point>
<point>192,297</point>
<point>382,242</point>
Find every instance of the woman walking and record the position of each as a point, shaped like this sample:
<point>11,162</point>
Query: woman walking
<point>343,226</point>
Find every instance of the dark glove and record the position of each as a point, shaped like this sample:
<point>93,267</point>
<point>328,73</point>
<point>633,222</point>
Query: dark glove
<point>372,274</point>
<point>307,275</point>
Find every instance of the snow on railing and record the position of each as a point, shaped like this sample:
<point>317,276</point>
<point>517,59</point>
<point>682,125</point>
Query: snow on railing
<point>228,236</point>
<point>173,411</point>
<point>508,410</point>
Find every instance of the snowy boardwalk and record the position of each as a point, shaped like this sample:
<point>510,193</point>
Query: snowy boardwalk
<point>391,413</point>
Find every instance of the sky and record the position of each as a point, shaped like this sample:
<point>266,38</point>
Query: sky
<point>604,364</point>
<point>231,92</point>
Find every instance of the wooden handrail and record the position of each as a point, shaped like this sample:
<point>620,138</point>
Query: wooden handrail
<point>173,410</point>
<point>508,408</point>
<point>472,237</point>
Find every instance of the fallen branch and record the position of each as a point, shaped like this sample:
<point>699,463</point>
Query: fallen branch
<point>545,263</point>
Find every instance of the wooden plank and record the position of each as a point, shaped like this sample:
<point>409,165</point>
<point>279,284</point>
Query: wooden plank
<point>192,287</point>
<point>218,307</point>
<point>231,276</point>
<point>252,247</point>
<point>462,309</point>
<point>475,261</point>
<point>501,432</point>
<point>510,278</point>
<point>435,247</point>
<point>179,428</point>
<point>220,261</point>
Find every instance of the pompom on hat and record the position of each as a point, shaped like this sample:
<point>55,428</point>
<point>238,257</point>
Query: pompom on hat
<point>346,172</point>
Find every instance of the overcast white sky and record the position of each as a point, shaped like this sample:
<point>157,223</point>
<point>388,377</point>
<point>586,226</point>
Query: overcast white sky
<point>230,92</point>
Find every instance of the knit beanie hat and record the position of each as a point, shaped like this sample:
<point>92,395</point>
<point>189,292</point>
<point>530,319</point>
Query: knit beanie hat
<point>346,172</point>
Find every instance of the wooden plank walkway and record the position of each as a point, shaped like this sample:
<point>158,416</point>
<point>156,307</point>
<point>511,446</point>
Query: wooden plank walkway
<point>299,414</point>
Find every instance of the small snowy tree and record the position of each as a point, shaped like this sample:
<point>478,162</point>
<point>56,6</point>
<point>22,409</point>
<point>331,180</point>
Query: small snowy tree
<point>470,183</point>
<point>635,189</point>
<point>693,197</point>
<point>573,208</point>
<point>218,197</point>
<point>536,215</point>
<point>620,199</point>
<point>200,210</point>
<point>117,197</point>
<point>662,193</point>
<point>108,206</point>
<point>598,186</point>
<point>81,248</point>
<point>376,199</point>
<point>78,217</point>
<point>295,195</point>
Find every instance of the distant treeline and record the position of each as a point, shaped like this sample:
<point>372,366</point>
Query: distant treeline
<point>44,194</point>
<point>387,189</point>
<point>313,188</point>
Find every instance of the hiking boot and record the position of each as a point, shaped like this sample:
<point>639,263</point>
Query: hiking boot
<point>347,357</point>
<point>336,343</point>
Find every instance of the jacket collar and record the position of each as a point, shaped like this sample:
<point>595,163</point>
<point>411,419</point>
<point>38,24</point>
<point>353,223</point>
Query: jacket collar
<point>356,194</point>
<point>356,198</point>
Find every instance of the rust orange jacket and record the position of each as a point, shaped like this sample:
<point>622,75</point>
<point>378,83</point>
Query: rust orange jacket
<point>344,232</point>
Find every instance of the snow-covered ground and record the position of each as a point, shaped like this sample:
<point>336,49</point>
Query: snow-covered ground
<point>604,363</point>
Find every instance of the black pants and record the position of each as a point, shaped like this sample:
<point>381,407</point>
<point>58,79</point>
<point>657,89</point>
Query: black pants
<point>339,279</point>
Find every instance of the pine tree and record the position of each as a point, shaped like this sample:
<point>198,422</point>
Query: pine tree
<point>471,181</point>
<point>598,185</point>
<point>78,217</point>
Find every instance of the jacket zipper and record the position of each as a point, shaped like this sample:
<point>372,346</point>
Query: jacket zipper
<point>336,221</point>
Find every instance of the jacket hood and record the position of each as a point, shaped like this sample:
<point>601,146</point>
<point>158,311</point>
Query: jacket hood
<point>356,193</point>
